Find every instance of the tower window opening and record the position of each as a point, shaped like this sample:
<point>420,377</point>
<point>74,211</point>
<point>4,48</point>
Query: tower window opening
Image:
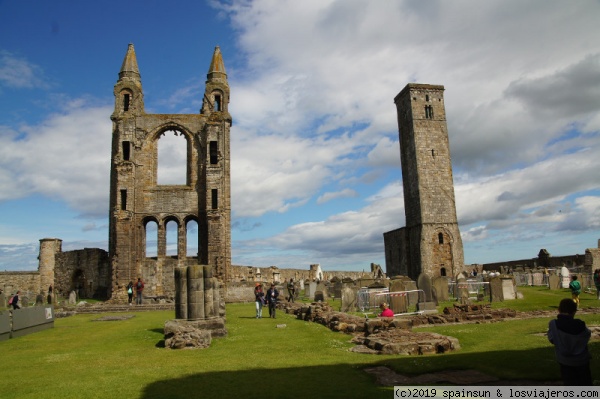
<point>217,104</point>
<point>426,97</point>
<point>214,198</point>
<point>433,152</point>
<point>428,112</point>
<point>214,155</point>
<point>123,200</point>
<point>443,271</point>
<point>126,150</point>
<point>440,238</point>
<point>125,102</point>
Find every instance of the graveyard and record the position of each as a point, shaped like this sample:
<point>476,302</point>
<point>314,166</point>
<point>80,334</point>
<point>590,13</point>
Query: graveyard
<point>97,355</point>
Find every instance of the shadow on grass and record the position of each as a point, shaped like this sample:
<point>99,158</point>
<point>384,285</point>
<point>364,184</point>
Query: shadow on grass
<point>513,367</point>
<point>340,380</point>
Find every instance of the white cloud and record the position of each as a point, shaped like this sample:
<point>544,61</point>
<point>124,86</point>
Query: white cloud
<point>345,193</point>
<point>16,72</point>
<point>67,156</point>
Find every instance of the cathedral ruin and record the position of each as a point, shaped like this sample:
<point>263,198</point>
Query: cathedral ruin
<point>137,199</point>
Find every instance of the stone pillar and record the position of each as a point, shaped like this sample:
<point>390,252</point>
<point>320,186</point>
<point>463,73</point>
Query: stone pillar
<point>49,247</point>
<point>195,292</point>
<point>181,295</point>
<point>161,245</point>
<point>208,292</point>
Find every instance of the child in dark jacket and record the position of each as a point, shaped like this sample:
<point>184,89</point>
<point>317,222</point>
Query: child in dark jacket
<point>570,337</point>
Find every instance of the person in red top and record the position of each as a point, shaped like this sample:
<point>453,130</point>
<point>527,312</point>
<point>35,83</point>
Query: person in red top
<point>139,287</point>
<point>386,311</point>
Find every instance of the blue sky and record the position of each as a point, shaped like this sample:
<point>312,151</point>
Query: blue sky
<point>315,158</point>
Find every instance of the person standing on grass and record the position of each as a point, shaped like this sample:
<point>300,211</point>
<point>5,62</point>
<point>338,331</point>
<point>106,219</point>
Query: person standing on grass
<point>139,288</point>
<point>575,287</point>
<point>130,292</point>
<point>291,290</point>
<point>597,282</point>
<point>570,338</point>
<point>271,298</point>
<point>259,296</point>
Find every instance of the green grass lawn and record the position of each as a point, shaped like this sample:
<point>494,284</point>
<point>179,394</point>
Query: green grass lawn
<point>81,357</point>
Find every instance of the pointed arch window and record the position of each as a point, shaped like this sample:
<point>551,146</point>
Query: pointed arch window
<point>218,103</point>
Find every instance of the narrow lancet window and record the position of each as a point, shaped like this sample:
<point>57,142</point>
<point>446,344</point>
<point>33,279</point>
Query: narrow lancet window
<point>123,200</point>
<point>215,198</point>
<point>126,150</point>
<point>217,104</point>
<point>440,238</point>
<point>125,102</point>
<point>214,154</point>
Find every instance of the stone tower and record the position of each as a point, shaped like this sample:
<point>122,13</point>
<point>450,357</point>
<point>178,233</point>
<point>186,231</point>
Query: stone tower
<point>49,247</point>
<point>430,243</point>
<point>137,199</point>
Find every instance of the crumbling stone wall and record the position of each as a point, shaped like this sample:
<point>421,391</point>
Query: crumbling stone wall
<point>27,282</point>
<point>87,271</point>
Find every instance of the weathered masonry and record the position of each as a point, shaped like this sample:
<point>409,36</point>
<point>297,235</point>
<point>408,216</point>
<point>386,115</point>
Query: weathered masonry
<point>430,243</point>
<point>141,206</point>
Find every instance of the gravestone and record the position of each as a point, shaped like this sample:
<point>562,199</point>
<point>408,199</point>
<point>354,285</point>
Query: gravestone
<point>398,303</point>
<point>439,289</point>
<point>301,284</point>
<point>414,297</point>
<point>538,279</point>
<point>311,288</point>
<point>508,289</point>
<point>565,278</point>
<point>39,299</point>
<point>463,291</point>
<point>72,298</point>
<point>424,283</point>
<point>554,282</point>
<point>349,298</point>
<point>2,300</point>
<point>496,290</point>
<point>337,288</point>
<point>319,296</point>
<point>321,286</point>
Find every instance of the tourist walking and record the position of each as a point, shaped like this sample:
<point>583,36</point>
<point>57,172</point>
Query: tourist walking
<point>15,301</point>
<point>259,298</point>
<point>130,292</point>
<point>597,282</point>
<point>575,287</point>
<point>570,338</point>
<point>271,298</point>
<point>291,290</point>
<point>139,288</point>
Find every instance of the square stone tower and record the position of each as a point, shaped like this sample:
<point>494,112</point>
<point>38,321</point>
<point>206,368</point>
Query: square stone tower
<point>137,199</point>
<point>430,243</point>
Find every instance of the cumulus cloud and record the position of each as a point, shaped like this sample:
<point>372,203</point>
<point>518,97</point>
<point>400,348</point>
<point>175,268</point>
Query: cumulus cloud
<point>65,157</point>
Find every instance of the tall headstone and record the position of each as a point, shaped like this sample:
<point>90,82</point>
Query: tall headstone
<point>496,293</point>
<point>424,284</point>
<point>508,289</point>
<point>349,298</point>
<point>554,282</point>
<point>440,289</point>
<point>398,303</point>
<point>565,277</point>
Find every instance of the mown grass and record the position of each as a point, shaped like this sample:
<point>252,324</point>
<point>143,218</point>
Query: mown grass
<point>82,357</point>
